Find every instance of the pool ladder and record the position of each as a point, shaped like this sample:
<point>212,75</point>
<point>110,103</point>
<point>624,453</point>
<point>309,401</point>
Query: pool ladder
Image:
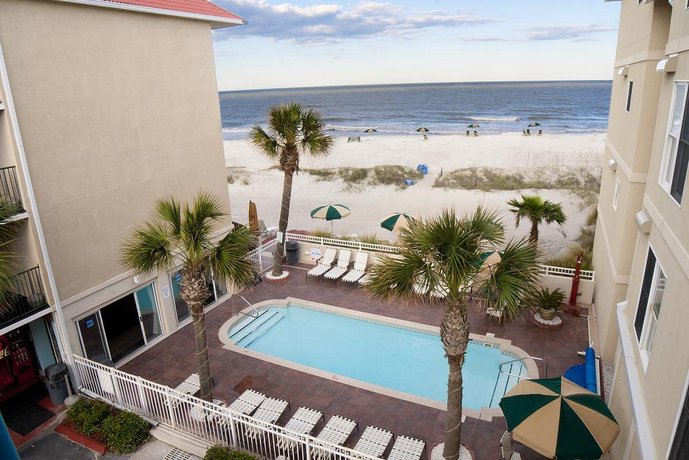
<point>509,374</point>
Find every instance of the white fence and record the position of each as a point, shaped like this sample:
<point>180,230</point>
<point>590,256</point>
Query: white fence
<point>209,422</point>
<point>262,256</point>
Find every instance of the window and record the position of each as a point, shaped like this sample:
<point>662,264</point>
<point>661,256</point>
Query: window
<point>673,172</point>
<point>217,289</point>
<point>630,87</point>
<point>616,194</point>
<point>650,302</point>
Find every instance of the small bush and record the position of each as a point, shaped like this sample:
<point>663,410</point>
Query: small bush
<point>353,176</point>
<point>124,432</point>
<point>322,174</point>
<point>394,175</point>
<point>87,416</point>
<point>225,453</point>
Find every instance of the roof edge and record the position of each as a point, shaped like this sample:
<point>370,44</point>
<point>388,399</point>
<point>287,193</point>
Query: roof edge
<point>217,22</point>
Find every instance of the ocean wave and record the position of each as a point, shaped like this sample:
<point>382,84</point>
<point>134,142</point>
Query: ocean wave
<point>496,119</point>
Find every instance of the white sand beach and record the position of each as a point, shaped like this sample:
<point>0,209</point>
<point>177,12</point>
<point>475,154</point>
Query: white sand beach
<point>533,156</point>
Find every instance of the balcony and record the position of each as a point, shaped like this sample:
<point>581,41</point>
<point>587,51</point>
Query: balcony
<point>9,191</point>
<point>26,298</point>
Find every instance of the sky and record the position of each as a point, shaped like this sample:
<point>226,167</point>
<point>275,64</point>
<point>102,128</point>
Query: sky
<point>306,43</point>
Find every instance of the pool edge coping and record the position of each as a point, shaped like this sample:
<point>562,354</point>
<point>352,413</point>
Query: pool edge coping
<point>485,413</point>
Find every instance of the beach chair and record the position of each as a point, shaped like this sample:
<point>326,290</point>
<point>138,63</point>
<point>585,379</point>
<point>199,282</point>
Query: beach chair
<point>269,412</point>
<point>342,265</point>
<point>247,402</point>
<point>365,280</point>
<point>324,264</point>
<point>302,422</point>
<point>358,270</point>
<point>266,231</point>
<point>406,448</point>
<point>336,431</point>
<point>373,441</point>
<point>506,448</point>
<point>190,386</point>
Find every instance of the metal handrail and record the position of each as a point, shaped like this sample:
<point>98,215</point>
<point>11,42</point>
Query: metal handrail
<point>510,374</point>
<point>250,306</point>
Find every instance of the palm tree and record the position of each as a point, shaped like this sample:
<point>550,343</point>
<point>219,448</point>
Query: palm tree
<point>537,210</point>
<point>504,285</point>
<point>177,234</point>
<point>292,132</point>
<point>442,253</point>
<point>8,231</point>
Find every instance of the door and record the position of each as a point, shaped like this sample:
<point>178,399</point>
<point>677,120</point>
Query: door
<point>90,330</point>
<point>148,312</point>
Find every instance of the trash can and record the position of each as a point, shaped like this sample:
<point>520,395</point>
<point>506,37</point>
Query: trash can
<point>292,248</point>
<point>56,383</point>
<point>422,168</point>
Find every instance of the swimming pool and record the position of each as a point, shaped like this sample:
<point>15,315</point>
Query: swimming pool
<point>405,359</point>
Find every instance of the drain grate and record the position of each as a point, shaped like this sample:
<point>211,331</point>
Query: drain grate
<point>177,454</point>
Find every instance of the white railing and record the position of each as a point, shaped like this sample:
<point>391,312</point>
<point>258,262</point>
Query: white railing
<point>342,243</point>
<point>209,422</point>
<point>262,256</point>
<point>565,272</point>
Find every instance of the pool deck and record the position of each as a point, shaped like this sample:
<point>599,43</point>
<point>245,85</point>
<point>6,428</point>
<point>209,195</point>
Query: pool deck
<point>172,360</point>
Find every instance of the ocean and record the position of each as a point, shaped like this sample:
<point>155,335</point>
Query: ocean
<point>443,108</point>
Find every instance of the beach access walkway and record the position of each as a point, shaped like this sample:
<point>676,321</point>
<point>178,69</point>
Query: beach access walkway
<point>172,360</point>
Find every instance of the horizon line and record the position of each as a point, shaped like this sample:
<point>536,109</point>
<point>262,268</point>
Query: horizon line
<point>362,85</point>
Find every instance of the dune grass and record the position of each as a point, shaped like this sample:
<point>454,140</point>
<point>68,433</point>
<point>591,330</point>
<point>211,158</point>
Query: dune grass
<point>361,177</point>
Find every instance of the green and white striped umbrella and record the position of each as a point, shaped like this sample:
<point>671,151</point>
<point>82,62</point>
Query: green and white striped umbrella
<point>397,221</point>
<point>330,212</point>
<point>558,418</point>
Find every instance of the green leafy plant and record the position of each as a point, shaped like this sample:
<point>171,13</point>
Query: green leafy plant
<point>546,299</point>
<point>125,432</point>
<point>87,416</point>
<point>218,452</point>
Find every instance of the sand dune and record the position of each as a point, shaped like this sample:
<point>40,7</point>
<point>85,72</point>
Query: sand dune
<point>532,155</point>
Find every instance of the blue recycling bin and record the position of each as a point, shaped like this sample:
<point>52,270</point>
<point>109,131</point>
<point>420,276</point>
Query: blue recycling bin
<point>422,168</point>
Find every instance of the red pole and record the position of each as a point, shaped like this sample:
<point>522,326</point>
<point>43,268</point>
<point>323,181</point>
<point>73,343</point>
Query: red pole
<point>575,285</point>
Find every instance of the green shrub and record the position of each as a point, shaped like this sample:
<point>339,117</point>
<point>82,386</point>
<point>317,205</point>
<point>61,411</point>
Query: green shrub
<point>87,415</point>
<point>124,432</point>
<point>394,175</point>
<point>322,174</point>
<point>225,453</point>
<point>352,176</point>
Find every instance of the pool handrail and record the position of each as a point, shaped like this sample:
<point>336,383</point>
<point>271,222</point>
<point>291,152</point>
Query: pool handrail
<point>518,376</point>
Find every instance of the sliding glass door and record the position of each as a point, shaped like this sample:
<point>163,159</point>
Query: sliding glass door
<point>121,327</point>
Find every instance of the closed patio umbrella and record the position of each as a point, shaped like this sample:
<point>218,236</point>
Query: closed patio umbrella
<point>558,418</point>
<point>253,217</point>
<point>330,212</point>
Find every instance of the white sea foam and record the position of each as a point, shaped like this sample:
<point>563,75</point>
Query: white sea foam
<point>496,119</point>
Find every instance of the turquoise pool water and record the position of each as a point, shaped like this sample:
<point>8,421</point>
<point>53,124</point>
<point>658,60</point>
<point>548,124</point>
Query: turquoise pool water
<point>401,359</point>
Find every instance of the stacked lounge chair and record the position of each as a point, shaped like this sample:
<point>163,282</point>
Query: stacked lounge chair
<point>342,265</point>
<point>191,385</point>
<point>303,421</point>
<point>358,270</point>
<point>247,402</point>
<point>373,441</point>
<point>406,448</point>
<point>324,264</point>
<point>336,431</point>
<point>269,411</point>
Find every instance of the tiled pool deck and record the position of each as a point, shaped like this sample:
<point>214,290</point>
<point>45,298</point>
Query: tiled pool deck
<point>172,360</point>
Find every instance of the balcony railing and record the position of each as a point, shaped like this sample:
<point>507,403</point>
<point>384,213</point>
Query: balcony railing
<point>9,188</point>
<point>25,297</point>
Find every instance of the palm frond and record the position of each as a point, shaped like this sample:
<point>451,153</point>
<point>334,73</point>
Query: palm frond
<point>169,211</point>
<point>266,144</point>
<point>394,277</point>
<point>228,259</point>
<point>149,248</point>
<point>197,227</point>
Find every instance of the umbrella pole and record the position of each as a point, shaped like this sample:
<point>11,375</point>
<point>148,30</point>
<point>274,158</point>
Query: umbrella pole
<point>331,228</point>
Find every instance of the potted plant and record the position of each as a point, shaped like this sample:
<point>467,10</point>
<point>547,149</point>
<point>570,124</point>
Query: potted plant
<point>547,301</point>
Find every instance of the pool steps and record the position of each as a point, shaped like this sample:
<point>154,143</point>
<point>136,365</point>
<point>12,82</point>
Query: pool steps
<point>260,325</point>
<point>248,322</point>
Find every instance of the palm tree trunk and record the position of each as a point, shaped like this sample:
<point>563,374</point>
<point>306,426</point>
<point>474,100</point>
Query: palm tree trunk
<point>194,291</point>
<point>282,225</point>
<point>454,333</point>
<point>533,235</point>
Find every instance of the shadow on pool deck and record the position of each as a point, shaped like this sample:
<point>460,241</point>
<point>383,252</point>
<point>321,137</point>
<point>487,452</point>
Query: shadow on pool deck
<point>172,360</point>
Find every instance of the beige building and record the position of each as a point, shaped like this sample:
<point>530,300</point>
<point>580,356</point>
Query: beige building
<point>105,107</point>
<point>641,252</point>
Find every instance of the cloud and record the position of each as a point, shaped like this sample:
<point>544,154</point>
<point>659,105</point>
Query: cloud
<point>326,23</point>
<point>487,39</point>
<point>566,32</point>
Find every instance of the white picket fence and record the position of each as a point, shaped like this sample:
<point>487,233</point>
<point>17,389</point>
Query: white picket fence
<point>209,422</point>
<point>262,256</point>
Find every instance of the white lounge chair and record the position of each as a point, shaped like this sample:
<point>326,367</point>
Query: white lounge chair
<point>247,402</point>
<point>190,386</point>
<point>406,448</point>
<point>342,265</point>
<point>302,422</point>
<point>269,411</point>
<point>365,280</point>
<point>324,264</point>
<point>373,441</point>
<point>336,431</point>
<point>358,270</point>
